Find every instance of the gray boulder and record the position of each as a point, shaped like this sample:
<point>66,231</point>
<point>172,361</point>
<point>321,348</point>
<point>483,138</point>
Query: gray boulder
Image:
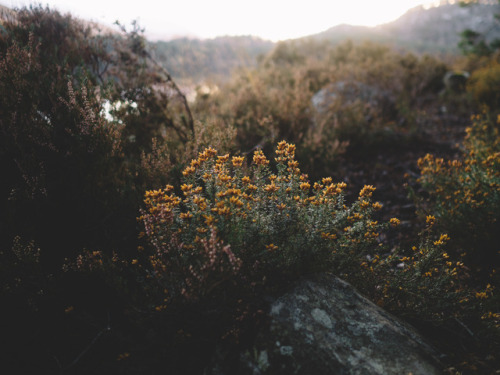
<point>456,81</point>
<point>324,326</point>
<point>345,94</point>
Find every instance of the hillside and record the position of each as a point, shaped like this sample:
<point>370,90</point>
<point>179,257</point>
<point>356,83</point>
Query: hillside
<point>194,60</point>
<point>420,30</point>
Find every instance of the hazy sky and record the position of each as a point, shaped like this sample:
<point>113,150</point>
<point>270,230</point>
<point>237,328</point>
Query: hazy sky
<point>269,19</point>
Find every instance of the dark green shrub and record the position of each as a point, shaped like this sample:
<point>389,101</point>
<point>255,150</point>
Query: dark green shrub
<point>60,157</point>
<point>81,114</point>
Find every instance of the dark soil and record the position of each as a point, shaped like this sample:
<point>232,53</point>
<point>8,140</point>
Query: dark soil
<point>392,169</point>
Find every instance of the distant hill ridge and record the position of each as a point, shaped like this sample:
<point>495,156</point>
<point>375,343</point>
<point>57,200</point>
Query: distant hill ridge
<point>420,30</point>
<point>433,30</point>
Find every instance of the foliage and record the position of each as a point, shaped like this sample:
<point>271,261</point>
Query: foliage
<point>372,93</point>
<point>89,121</point>
<point>424,283</point>
<point>258,226</point>
<point>464,200</point>
<point>22,277</point>
<point>464,194</point>
<point>54,145</point>
<point>273,102</point>
<point>431,286</point>
<point>81,113</point>
<point>78,114</point>
<point>475,43</point>
<point>483,85</point>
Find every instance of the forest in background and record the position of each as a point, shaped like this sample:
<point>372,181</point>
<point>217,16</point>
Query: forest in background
<point>138,229</point>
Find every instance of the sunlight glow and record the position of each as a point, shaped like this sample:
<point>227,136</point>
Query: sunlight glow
<point>274,20</point>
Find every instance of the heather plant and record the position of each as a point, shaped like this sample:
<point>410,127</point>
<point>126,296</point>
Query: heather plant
<point>54,143</point>
<point>233,224</point>
<point>82,114</point>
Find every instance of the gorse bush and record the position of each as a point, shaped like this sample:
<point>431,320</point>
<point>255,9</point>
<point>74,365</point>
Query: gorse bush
<point>464,201</point>
<point>464,194</point>
<point>237,224</point>
<point>432,286</point>
<point>424,282</point>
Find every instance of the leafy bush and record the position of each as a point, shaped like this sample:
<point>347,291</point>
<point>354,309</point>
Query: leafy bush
<point>55,146</point>
<point>483,85</point>
<point>73,105</point>
<point>424,283</point>
<point>464,200</point>
<point>87,121</point>
<point>271,103</point>
<point>373,95</point>
<point>464,194</point>
<point>251,227</point>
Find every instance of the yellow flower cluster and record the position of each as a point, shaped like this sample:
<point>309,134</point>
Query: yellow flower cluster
<point>367,191</point>
<point>442,240</point>
<point>271,247</point>
<point>430,220</point>
<point>260,159</point>
<point>202,157</point>
<point>394,222</point>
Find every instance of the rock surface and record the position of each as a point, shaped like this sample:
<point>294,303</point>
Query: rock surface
<point>324,326</point>
<point>347,93</point>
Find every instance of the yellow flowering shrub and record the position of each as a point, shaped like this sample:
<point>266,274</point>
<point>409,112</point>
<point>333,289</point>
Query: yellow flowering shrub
<point>234,222</point>
<point>464,201</point>
<point>433,288</point>
<point>424,282</point>
<point>465,193</point>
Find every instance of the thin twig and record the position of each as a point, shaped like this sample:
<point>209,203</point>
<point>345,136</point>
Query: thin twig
<point>465,327</point>
<point>170,80</point>
<point>89,346</point>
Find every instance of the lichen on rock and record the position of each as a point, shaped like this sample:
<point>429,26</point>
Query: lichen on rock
<point>335,330</point>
